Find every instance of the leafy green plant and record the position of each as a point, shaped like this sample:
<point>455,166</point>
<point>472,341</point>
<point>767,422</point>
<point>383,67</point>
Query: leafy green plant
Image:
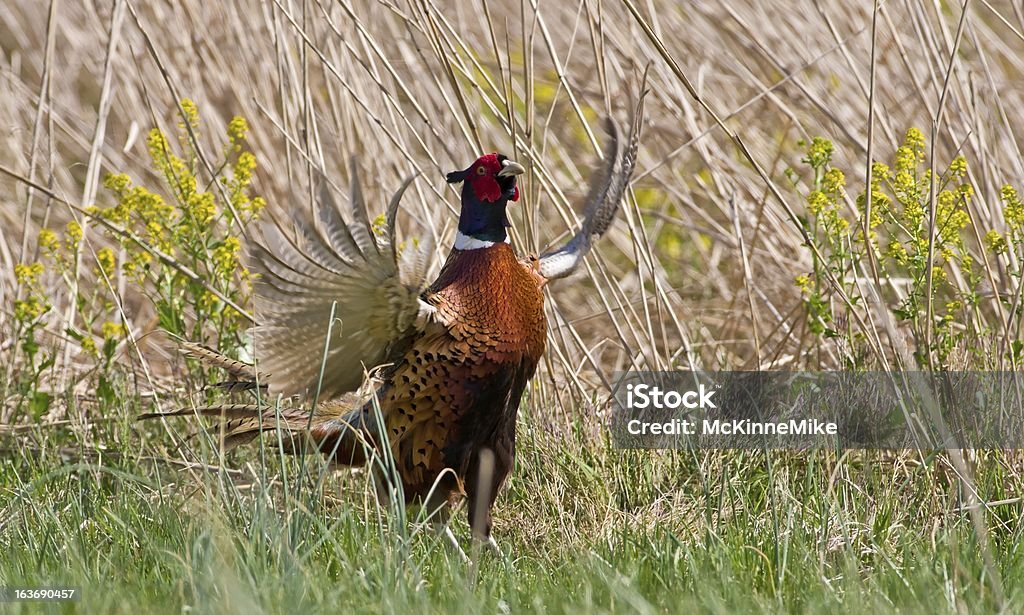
<point>201,231</point>
<point>932,288</point>
<point>29,311</point>
<point>182,250</point>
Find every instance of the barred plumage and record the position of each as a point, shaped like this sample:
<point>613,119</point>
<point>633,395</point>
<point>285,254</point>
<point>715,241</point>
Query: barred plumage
<point>456,354</point>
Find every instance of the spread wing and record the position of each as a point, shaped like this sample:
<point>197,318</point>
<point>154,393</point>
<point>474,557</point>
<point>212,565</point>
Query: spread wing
<point>337,266</point>
<point>607,187</point>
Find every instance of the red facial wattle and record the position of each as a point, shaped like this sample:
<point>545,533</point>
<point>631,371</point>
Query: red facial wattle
<point>486,188</point>
<point>490,179</point>
<point>482,178</point>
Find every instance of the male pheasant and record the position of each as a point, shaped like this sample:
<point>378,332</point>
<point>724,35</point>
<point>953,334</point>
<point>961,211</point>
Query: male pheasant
<point>453,357</point>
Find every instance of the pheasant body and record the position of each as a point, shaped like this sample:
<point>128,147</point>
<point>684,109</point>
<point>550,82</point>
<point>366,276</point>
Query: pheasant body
<point>456,354</point>
<point>457,390</point>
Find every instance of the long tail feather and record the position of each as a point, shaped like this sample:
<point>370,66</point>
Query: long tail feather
<point>225,411</point>
<point>335,428</point>
<point>241,376</point>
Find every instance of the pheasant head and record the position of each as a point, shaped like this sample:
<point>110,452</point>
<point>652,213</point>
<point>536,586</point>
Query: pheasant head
<point>487,187</point>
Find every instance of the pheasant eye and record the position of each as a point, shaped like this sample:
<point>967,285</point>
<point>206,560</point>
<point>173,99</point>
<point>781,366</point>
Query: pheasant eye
<point>481,171</point>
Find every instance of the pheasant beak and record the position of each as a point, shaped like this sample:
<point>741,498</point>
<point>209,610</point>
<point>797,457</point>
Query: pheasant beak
<point>510,168</point>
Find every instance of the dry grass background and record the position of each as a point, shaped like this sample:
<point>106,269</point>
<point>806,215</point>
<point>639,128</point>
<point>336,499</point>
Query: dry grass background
<point>698,270</point>
<point>425,87</point>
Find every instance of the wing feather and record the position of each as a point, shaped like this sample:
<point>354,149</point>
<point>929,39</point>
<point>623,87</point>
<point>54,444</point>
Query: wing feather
<point>360,226</point>
<point>391,220</point>
<point>334,229</point>
<point>340,264</point>
<point>607,187</point>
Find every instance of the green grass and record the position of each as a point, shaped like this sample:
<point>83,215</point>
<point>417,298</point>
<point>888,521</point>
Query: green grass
<point>586,528</point>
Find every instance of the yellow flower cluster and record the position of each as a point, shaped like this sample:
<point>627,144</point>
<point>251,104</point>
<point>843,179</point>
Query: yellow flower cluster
<point>30,308</point>
<point>27,274</point>
<point>243,170</point>
<point>48,240</point>
<point>1013,212</point>
<point>898,252</point>
<point>191,112</point>
<point>148,208</point>
<point>914,139</point>
<point>880,205</point>
<point>237,129</point>
<point>995,242</point>
<point>113,330</point>
<point>34,304</point>
<point>950,218</point>
<point>905,161</point>
<point>208,301</point>
<point>106,261</point>
<point>817,202</point>
<point>819,153</point>
<point>879,172</point>
<point>73,232</point>
<point>201,208</point>
<point>118,183</point>
<point>244,167</point>
<point>136,266</point>
<point>958,168</point>
<point>225,256</point>
<point>834,181</point>
<point>1013,208</point>
<point>178,175</point>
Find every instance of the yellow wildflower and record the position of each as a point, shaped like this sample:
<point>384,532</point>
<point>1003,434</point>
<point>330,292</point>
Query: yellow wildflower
<point>819,153</point>
<point>914,140</point>
<point>817,202</point>
<point>958,168</point>
<point>106,260</point>
<point>243,169</point>
<point>256,205</point>
<point>73,233</point>
<point>905,160</point>
<point>904,182</point>
<point>225,256</point>
<point>202,208</point>
<point>112,330</point>
<point>48,240</point>
<point>834,180</point>
<point>191,113</point>
<point>117,183</point>
<point>1013,208</point>
<point>237,130</point>
<point>208,301</point>
<point>995,242</point>
<point>30,308</point>
<point>898,252</point>
<point>27,274</point>
<point>879,172</point>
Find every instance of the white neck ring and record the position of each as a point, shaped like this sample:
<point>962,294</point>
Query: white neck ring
<point>465,242</point>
